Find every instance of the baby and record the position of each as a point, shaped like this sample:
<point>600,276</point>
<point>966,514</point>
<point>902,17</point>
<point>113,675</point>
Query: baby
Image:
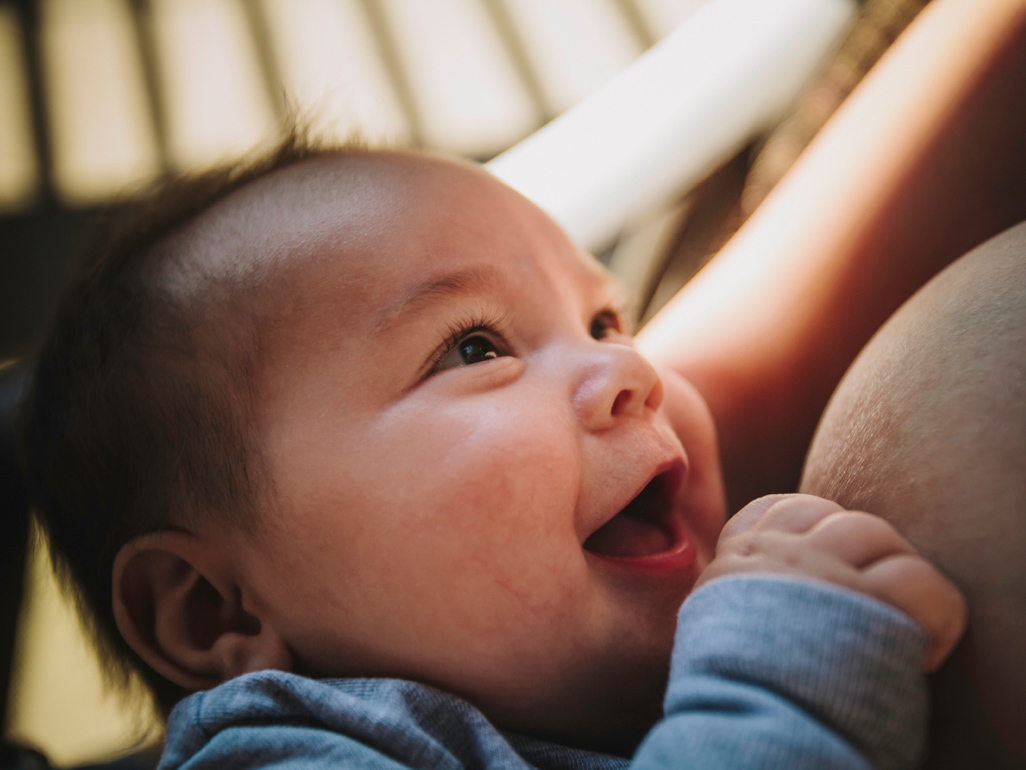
<point>359,417</point>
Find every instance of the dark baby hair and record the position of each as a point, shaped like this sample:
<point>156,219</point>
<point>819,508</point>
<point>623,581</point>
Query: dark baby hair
<point>130,427</point>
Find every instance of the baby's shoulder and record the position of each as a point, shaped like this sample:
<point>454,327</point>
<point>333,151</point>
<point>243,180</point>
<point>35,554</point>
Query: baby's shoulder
<point>275,718</point>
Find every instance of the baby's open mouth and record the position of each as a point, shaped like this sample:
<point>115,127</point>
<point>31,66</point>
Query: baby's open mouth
<point>646,526</point>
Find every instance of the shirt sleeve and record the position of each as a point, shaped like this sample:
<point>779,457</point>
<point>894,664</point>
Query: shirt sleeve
<point>772,672</point>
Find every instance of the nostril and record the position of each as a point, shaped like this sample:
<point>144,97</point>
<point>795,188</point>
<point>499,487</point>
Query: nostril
<point>622,402</point>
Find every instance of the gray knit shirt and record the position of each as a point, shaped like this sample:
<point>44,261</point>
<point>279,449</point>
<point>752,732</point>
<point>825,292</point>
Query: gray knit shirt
<point>767,672</point>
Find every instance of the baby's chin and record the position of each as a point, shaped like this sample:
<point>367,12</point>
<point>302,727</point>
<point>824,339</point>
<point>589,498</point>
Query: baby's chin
<point>612,721</point>
<point>607,707</point>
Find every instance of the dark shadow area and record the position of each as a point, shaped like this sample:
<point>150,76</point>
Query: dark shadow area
<point>37,250</point>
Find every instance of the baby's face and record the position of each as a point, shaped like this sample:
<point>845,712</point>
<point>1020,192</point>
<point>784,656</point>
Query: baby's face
<point>454,418</point>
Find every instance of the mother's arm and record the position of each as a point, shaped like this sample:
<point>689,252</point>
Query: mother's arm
<point>926,159</point>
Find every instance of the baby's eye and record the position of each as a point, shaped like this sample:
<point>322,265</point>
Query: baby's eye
<point>605,324</point>
<point>472,349</point>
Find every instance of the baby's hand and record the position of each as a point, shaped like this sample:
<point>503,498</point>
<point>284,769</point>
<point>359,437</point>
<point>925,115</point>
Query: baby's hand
<point>814,538</point>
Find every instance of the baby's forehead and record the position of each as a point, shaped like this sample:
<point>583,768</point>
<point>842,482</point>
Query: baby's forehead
<point>269,227</point>
<point>364,217</point>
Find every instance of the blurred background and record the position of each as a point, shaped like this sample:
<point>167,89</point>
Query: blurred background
<point>101,98</point>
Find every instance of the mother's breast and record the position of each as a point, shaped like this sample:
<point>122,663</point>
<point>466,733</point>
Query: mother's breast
<point>928,430</point>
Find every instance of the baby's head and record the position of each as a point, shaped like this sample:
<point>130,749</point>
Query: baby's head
<point>373,414</point>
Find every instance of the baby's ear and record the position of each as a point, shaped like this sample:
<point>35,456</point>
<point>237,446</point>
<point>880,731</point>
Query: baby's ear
<point>178,606</point>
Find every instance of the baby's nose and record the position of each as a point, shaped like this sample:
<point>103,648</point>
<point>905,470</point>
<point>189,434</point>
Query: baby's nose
<point>616,382</point>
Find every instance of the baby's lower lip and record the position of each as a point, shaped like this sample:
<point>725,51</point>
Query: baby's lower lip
<point>648,535</point>
<point>681,555</point>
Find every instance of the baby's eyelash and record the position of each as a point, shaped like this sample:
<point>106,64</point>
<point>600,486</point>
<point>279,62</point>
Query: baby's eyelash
<point>496,327</point>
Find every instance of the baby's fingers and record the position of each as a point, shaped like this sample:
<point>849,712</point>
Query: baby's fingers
<point>785,513</point>
<point>913,586</point>
<point>858,539</point>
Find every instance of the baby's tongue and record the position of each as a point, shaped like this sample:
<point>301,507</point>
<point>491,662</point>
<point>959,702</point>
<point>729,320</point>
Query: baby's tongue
<point>626,535</point>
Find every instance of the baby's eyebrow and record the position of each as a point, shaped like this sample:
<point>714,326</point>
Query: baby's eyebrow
<point>435,289</point>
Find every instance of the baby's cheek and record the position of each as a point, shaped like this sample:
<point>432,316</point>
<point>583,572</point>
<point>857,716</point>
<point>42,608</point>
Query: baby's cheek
<point>691,420</point>
<point>500,481</point>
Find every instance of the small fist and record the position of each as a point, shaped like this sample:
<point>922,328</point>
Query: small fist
<point>810,537</point>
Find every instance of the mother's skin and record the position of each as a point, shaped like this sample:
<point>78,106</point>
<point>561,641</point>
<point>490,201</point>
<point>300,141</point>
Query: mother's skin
<point>928,429</point>
<point>924,161</point>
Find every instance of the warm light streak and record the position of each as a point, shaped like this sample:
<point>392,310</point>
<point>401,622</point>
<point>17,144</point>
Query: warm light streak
<point>470,99</point>
<point>217,106</point>
<point>574,46</point>
<point>19,174</point>
<point>103,140</point>
<point>332,69</point>
<point>674,115</point>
